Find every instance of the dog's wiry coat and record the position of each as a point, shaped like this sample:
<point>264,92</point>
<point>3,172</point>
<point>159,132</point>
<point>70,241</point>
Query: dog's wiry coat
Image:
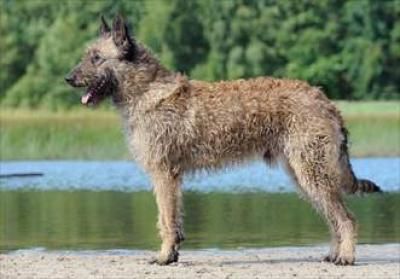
<point>175,125</point>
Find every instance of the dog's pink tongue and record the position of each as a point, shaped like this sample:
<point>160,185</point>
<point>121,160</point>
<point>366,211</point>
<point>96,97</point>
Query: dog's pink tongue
<point>86,98</point>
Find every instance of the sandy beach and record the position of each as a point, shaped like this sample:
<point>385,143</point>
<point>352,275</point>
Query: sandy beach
<point>373,261</point>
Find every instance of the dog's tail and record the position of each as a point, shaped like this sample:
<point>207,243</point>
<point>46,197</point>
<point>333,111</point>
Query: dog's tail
<point>365,186</point>
<point>351,184</point>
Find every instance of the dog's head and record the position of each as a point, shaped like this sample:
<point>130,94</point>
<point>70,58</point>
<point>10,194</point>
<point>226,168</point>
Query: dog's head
<point>96,71</point>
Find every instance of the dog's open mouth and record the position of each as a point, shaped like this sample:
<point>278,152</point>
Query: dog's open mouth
<point>95,92</point>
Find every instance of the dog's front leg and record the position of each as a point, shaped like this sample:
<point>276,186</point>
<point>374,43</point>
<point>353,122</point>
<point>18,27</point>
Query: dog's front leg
<point>167,189</point>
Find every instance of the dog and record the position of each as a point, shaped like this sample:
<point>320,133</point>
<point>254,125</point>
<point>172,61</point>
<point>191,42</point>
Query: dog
<point>175,125</point>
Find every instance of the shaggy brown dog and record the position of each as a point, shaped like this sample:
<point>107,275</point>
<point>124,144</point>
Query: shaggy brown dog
<point>175,125</point>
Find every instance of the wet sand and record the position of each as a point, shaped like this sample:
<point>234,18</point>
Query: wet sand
<point>373,261</point>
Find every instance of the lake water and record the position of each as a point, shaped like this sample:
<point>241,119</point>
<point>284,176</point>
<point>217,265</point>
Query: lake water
<point>126,176</point>
<point>109,205</point>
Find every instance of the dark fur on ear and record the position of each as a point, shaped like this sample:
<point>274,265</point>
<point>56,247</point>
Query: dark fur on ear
<point>105,29</point>
<point>122,40</point>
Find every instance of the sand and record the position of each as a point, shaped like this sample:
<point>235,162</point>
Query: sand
<point>373,261</point>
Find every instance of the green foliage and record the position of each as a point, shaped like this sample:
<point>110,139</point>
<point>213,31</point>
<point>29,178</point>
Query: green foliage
<point>21,27</point>
<point>42,85</point>
<point>350,48</point>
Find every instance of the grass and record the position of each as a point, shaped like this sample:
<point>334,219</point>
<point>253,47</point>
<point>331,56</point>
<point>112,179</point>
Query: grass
<point>370,108</point>
<point>82,134</point>
<point>96,134</point>
<point>374,127</point>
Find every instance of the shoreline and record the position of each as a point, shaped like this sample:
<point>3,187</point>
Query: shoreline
<point>372,261</point>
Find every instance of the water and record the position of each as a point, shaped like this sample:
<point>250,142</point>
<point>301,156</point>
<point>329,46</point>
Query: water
<point>108,205</point>
<point>126,176</point>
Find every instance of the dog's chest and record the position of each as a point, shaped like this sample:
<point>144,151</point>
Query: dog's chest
<point>136,138</point>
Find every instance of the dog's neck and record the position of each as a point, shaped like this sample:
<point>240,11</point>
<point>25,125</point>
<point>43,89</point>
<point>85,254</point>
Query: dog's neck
<point>135,78</point>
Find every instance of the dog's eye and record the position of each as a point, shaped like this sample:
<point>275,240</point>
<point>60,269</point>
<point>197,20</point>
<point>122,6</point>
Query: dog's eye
<point>97,59</point>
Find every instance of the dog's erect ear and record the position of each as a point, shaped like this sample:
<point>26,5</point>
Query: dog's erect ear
<point>120,31</point>
<point>122,39</point>
<point>104,28</point>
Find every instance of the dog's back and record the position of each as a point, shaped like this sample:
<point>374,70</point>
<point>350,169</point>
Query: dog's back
<point>206,125</point>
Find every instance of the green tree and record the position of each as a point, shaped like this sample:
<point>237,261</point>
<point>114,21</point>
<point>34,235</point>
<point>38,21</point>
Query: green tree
<point>350,48</point>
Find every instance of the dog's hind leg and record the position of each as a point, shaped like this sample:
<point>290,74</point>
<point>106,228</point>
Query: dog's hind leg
<point>319,180</point>
<point>167,189</point>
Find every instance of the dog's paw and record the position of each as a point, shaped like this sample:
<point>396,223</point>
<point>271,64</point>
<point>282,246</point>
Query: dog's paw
<point>344,260</point>
<point>165,260</point>
<point>329,258</point>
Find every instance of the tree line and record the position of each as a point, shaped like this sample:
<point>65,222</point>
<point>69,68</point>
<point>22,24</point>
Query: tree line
<point>351,48</point>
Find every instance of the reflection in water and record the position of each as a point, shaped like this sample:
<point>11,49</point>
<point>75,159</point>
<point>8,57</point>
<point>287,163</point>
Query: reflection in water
<point>113,219</point>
